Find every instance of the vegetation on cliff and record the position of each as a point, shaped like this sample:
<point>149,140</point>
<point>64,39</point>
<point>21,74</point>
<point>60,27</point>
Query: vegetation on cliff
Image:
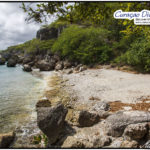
<point>91,34</point>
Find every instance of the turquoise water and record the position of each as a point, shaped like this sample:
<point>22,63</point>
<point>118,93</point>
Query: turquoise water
<point>19,92</point>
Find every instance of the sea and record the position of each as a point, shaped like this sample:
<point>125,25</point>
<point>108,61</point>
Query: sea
<point>19,93</point>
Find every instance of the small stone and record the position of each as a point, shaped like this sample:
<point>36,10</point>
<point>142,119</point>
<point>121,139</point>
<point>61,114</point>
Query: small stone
<point>43,103</point>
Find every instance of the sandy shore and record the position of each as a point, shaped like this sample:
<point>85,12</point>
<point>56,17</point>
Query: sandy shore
<point>108,85</point>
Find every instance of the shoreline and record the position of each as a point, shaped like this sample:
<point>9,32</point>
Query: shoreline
<point>71,90</point>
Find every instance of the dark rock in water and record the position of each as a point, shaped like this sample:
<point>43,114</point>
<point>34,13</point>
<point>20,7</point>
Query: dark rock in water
<point>47,33</point>
<point>2,61</point>
<point>27,68</point>
<point>120,120</point>
<point>87,119</point>
<point>51,121</point>
<point>59,66</point>
<point>6,139</point>
<point>11,63</point>
<point>45,66</point>
<point>15,57</point>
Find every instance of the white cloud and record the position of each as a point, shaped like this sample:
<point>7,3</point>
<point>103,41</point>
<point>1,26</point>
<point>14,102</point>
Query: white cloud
<point>13,28</point>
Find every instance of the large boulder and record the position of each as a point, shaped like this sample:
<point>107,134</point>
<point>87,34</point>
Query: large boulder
<point>27,68</point>
<point>45,66</point>
<point>51,121</point>
<point>47,33</point>
<point>11,63</point>
<point>120,120</point>
<point>6,139</point>
<point>136,131</point>
<point>2,61</point>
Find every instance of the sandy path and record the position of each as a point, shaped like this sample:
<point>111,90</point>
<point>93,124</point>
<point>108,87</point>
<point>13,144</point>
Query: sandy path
<point>109,85</point>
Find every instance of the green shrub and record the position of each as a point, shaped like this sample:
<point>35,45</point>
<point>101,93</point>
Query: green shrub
<point>138,55</point>
<point>37,46</point>
<point>86,45</point>
<point>34,46</point>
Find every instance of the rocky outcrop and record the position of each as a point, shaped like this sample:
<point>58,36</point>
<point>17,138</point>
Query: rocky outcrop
<point>11,63</point>
<point>6,139</point>
<point>6,55</point>
<point>27,68</point>
<point>47,33</point>
<point>2,61</point>
<point>51,121</point>
<point>27,60</point>
<point>45,66</point>
<point>120,120</point>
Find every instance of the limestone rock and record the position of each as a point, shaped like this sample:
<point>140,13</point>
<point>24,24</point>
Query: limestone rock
<point>47,33</point>
<point>129,144</point>
<point>27,60</point>
<point>11,63</point>
<point>82,68</point>
<point>6,139</point>
<point>135,131</point>
<point>45,66</point>
<point>59,66</point>
<point>27,68</point>
<point>51,121</point>
<point>87,119</point>
<point>72,142</point>
<point>120,120</point>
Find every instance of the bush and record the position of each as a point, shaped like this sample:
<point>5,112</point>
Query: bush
<point>34,46</point>
<point>138,55</point>
<point>37,46</point>
<point>85,45</point>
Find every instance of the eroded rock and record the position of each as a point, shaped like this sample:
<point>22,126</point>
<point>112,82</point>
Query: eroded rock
<point>87,119</point>
<point>51,121</point>
<point>27,68</point>
<point>135,131</point>
<point>11,63</point>
<point>120,120</point>
<point>6,139</point>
